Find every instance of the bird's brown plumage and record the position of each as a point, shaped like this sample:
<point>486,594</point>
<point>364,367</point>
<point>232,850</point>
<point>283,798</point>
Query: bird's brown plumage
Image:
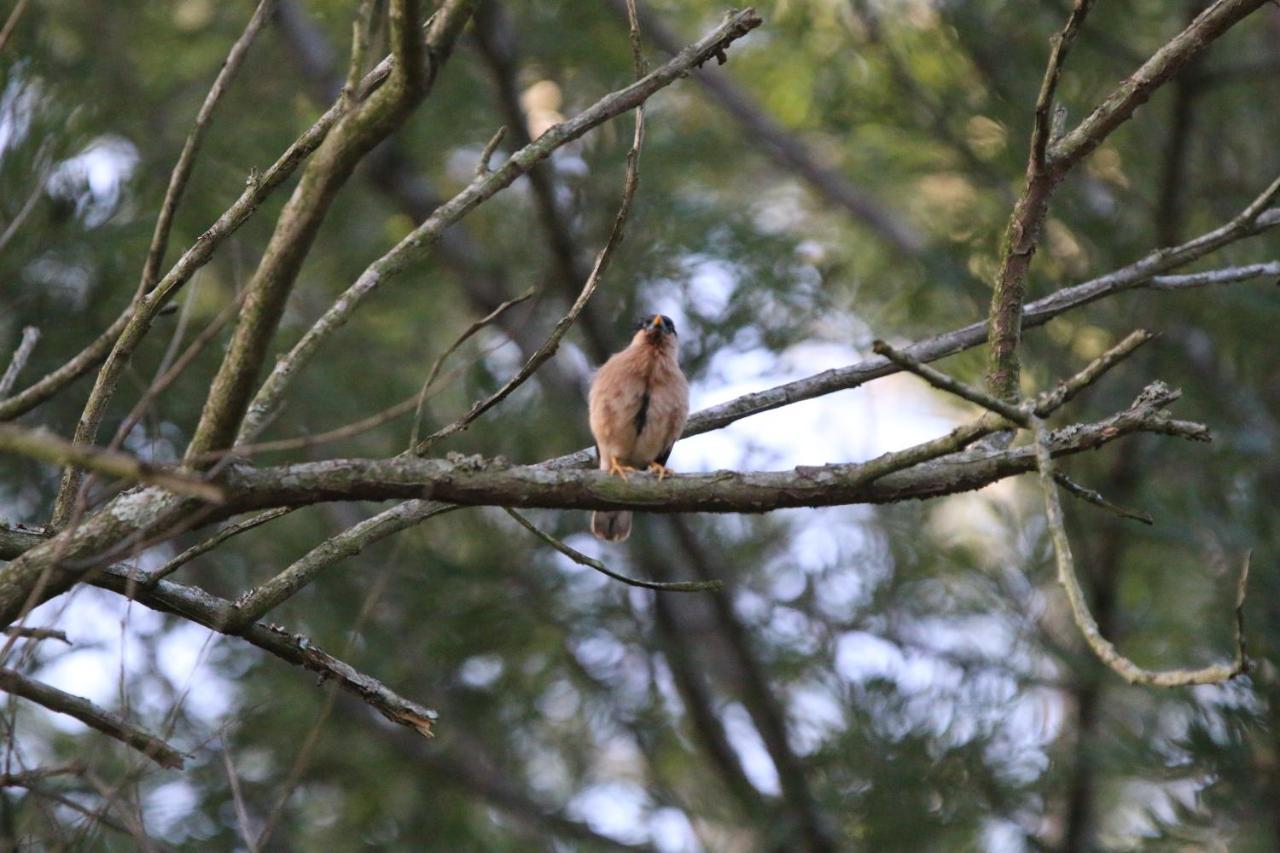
<point>638,403</point>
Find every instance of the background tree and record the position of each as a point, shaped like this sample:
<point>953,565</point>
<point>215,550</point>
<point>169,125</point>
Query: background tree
<point>901,676</point>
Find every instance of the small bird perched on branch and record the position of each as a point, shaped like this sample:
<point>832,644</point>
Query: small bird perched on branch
<point>639,402</point>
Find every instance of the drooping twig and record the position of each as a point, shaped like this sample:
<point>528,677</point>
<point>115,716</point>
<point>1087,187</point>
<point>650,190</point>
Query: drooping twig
<point>421,238</point>
<point>582,559</point>
<point>1105,651</point>
<point>459,341</point>
<point>943,382</point>
<point>47,447</point>
<point>215,613</point>
<point>30,335</point>
<point>93,716</point>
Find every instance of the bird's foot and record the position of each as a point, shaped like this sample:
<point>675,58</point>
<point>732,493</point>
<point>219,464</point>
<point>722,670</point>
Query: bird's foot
<point>661,470</point>
<point>620,470</point>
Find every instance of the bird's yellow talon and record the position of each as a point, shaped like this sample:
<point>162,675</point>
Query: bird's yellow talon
<point>661,470</point>
<point>618,469</point>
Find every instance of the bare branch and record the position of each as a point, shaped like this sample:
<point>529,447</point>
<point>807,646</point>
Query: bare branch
<point>943,382</point>
<point>216,613</point>
<point>26,633</point>
<point>1046,169</point>
<point>257,602</point>
<point>1139,86</point>
<point>28,778</point>
<point>11,23</point>
<point>480,190</point>
<point>47,447</point>
<point>93,716</point>
<point>30,335</point>
<point>1099,500</point>
<point>214,541</point>
<point>583,559</point>
<point>1044,101</point>
<point>181,173</point>
<point>630,182</point>
<point>1100,646</point>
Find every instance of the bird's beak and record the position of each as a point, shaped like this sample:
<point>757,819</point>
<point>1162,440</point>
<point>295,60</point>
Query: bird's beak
<point>655,327</point>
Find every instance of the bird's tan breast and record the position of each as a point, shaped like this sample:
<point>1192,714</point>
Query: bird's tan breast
<point>638,405</point>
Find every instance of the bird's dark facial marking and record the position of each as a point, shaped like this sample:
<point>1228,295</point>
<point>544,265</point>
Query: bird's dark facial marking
<point>655,322</point>
<point>642,413</point>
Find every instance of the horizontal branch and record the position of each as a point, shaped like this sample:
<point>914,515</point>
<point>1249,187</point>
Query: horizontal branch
<point>93,716</point>
<point>473,481</point>
<point>47,447</point>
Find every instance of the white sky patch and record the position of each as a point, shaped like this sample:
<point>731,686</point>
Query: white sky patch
<point>848,426</point>
<point>95,177</point>
<point>746,741</point>
<point>615,809</point>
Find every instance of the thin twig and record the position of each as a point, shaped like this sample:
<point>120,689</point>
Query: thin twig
<point>1099,500</point>
<point>943,382</point>
<point>37,190</point>
<point>1105,651</point>
<point>242,814</point>
<point>26,633</point>
<point>93,716</point>
<point>482,166</point>
<point>11,23</point>
<point>27,778</point>
<point>212,612</point>
<point>583,559</point>
<point>21,355</point>
<point>460,340</point>
<point>213,542</point>
<point>47,447</point>
<point>1044,101</point>
<point>360,28</point>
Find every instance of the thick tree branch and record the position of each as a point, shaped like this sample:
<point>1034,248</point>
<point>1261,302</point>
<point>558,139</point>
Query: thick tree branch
<point>354,135</point>
<point>93,716</point>
<point>476,482</point>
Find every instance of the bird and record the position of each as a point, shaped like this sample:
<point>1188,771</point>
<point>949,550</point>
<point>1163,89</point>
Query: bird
<point>638,404</point>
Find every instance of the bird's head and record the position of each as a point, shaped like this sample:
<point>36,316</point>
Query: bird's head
<point>655,330</point>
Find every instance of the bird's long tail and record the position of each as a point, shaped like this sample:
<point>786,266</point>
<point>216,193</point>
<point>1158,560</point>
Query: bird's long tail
<point>612,525</point>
